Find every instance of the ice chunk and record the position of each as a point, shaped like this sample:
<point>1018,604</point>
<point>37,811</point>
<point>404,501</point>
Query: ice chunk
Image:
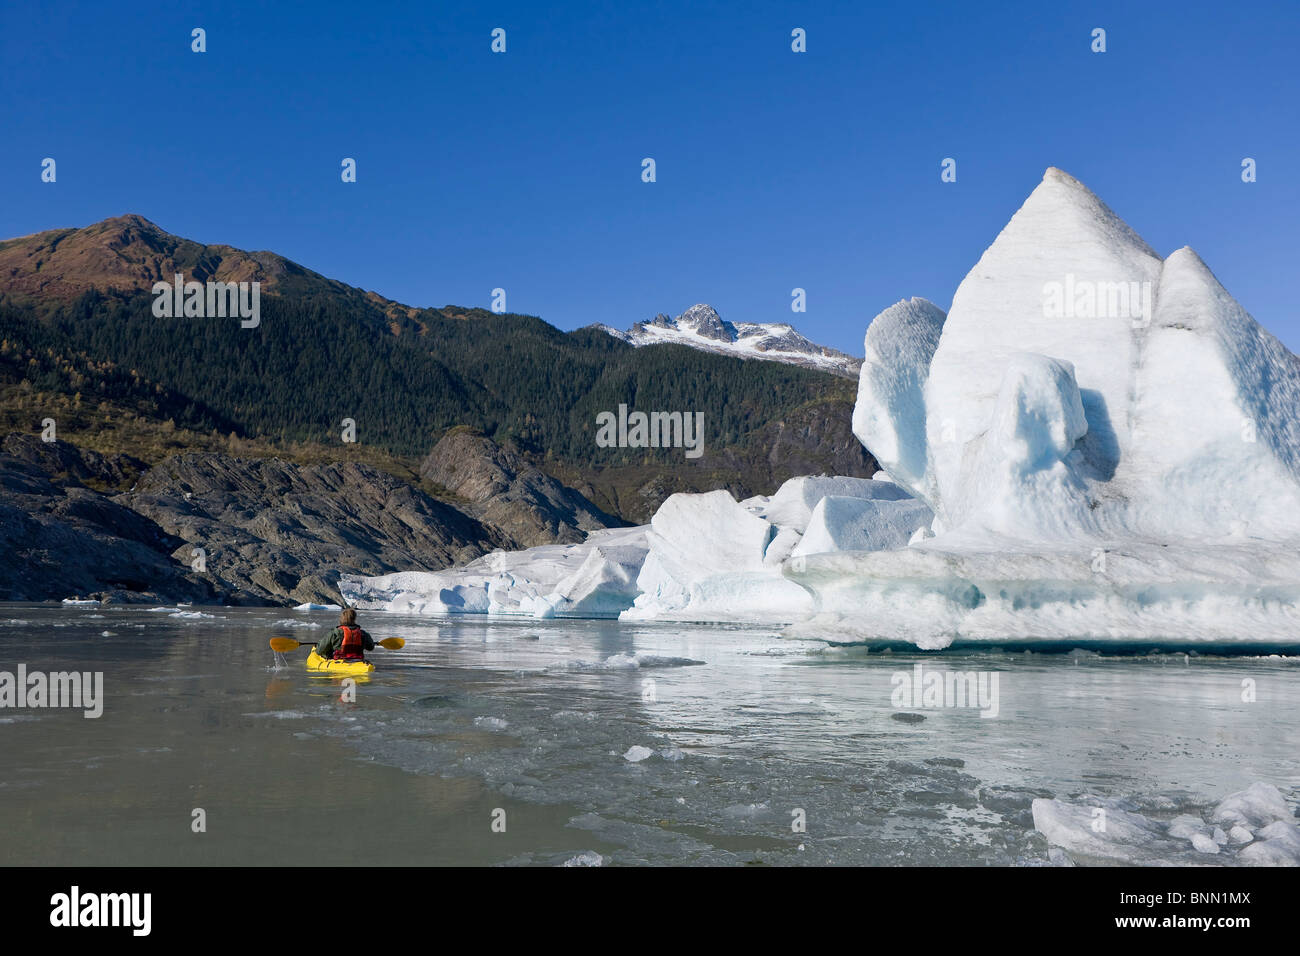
<point>1258,805</point>
<point>1019,477</point>
<point>706,533</point>
<point>1277,844</point>
<point>783,543</point>
<point>605,583</point>
<point>1185,826</point>
<point>706,561</point>
<point>636,753</point>
<point>1057,857</point>
<point>792,505</point>
<point>1240,834</point>
<point>1204,843</point>
<point>1104,832</point>
<point>889,416</point>
<point>860,524</point>
<point>596,578</point>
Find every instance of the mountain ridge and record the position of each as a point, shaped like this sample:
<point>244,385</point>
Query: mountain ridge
<point>77,337</point>
<point>130,252</point>
<point>701,327</point>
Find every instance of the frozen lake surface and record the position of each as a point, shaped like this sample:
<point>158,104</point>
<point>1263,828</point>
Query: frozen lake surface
<point>599,741</point>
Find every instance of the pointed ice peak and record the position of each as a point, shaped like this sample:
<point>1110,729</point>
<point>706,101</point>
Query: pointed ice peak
<point>1187,258</point>
<point>1063,212</point>
<point>913,306</point>
<point>1191,296</point>
<point>1184,266</point>
<point>906,324</point>
<point>1063,243</point>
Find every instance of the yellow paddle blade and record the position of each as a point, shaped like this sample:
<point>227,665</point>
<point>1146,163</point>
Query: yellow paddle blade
<point>392,643</point>
<point>283,644</point>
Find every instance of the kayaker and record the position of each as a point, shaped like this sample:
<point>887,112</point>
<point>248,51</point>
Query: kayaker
<point>347,642</point>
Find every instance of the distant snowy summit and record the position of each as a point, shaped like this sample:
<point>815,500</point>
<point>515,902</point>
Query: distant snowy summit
<point>701,327</point>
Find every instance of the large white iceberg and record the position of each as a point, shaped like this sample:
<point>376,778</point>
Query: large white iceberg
<point>1092,445</point>
<point>1080,385</point>
<point>1111,449</point>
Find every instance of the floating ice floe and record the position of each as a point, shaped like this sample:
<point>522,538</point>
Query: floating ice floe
<point>624,662</point>
<point>585,858</point>
<point>1107,831</point>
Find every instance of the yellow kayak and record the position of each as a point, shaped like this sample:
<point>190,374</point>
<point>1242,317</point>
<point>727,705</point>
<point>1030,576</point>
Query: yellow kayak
<point>317,663</point>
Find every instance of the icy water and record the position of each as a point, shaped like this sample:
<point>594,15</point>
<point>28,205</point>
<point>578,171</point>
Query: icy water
<point>535,729</point>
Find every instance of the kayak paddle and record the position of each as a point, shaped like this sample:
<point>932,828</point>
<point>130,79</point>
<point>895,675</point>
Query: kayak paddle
<point>286,644</point>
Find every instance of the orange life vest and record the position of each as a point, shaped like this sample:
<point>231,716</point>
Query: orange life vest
<point>352,648</point>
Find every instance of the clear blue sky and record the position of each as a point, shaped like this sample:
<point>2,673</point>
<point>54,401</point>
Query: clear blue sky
<point>775,169</point>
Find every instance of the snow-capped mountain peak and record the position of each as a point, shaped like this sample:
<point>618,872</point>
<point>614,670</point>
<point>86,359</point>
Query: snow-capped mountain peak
<point>704,321</point>
<point>703,328</point>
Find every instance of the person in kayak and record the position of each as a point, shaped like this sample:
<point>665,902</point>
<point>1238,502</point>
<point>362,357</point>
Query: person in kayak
<point>347,642</point>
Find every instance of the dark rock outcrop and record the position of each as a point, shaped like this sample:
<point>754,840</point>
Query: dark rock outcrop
<point>814,439</point>
<point>510,495</point>
<point>284,532</point>
<point>271,531</point>
<point>60,539</point>
<point>66,464</point>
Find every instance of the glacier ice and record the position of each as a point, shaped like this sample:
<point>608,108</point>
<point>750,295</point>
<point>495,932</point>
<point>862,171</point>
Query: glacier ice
<point>1257,806</point>
<point>1104,830</point>
<point>792,505</point>
<point>1094,444</point>
<point>1111,449</point>
<point>706,562</point>
<point>1061,231</point>
<point>596,578</point>
<point>889,416</point>
<point>841,523</point>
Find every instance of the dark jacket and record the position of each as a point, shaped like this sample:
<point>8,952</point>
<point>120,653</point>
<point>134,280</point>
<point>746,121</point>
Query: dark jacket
<point>334,640</point>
